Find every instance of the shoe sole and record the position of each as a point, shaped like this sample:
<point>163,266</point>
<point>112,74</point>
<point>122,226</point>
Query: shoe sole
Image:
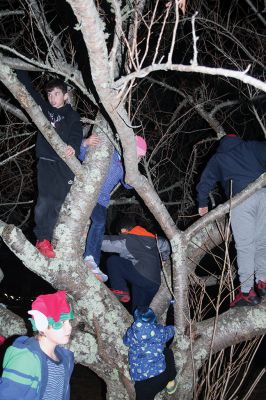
<point>246,304</point>
<point>171,391</point>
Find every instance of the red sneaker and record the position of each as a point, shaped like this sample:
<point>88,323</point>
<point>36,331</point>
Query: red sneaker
<point>45,248</point>
<point>245,299</point>
<point>122,295</point>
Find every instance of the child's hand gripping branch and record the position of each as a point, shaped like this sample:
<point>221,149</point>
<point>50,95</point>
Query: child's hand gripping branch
<point>69,151</point>
<point>93,140</point>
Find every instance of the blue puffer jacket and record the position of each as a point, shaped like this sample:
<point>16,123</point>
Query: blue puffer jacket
<point>236,160</point>
<point>25,371</point>
<point>146,344</point>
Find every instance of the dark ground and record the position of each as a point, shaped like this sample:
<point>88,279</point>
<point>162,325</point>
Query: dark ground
<point>86,385</point>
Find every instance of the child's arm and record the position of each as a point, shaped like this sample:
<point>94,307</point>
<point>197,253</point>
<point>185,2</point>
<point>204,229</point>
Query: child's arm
<point>93,140</point>
<point>164,248</point>
<point>126,185</point>
<point>19,363</point>
<point>113,244</point>
<point>169,332</point>
<point>75,137</point>
<point>69,151</point>
<point>24,78</point>
<point>127,337</point>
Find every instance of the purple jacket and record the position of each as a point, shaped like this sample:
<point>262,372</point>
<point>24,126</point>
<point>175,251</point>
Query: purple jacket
<point>115,175</point>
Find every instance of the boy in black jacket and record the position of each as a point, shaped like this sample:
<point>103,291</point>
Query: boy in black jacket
<point>54,176</point>
<point>137,262</point>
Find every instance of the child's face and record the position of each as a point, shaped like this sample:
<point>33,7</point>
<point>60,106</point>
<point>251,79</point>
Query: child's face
<point>57,98</point>
<point>59,336</point>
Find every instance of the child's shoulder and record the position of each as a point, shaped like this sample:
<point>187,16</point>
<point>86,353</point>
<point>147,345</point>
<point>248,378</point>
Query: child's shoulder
<point>21,354</point>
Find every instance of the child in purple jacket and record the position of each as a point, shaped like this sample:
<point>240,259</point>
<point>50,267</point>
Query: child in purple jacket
<point>115,175</point>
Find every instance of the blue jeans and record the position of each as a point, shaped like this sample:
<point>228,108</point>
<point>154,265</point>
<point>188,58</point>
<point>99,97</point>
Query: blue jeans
<point>96,233</point>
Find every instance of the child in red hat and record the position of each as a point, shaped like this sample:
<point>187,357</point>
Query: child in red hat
<point>38,368</point>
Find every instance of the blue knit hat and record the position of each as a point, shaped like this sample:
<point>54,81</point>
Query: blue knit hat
<point>145,314</point>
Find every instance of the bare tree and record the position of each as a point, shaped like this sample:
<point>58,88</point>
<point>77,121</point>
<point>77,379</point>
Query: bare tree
<point>131,49</point>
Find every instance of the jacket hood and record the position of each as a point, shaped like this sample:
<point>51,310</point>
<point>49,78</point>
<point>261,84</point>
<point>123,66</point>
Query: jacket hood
<point>138,230</point>
<point>228,143</point>
<point>25,341</point>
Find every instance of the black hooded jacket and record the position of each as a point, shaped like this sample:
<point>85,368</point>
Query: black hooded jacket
<point>65,120</point>
<point>143,249</point>
<point>237,161</point>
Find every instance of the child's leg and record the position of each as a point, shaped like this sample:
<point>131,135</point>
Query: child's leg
<point>143,292</point>
<point>44,210</point>
<point>96,233</point>
<point>64,179</point>
<point>170,364</point>
<point>117,271</point>
<point>147,389</point>
<point>144,390</point>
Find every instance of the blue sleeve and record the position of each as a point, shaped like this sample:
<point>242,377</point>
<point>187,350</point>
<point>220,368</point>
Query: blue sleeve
<point>116,157</point>
<point>127,338</point>
<point>208,180</point>
<point>126,185</point>
<point>169,332</point>
<point>113,244</point>
<point>82,152</point>
<point>20,378</point>
<point>164,248</point>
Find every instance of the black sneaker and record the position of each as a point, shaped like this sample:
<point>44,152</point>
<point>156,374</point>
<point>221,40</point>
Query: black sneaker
<point>261,288</point>
<point>243,299</point>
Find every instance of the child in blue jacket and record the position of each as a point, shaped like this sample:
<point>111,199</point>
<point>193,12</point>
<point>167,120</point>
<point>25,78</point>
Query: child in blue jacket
<point>38,368</point>
<point>151,364</point>
<point>114,175</point>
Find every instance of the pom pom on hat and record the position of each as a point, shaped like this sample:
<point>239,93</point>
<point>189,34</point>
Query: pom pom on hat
<point>51,308</point>
<point>141,146</point>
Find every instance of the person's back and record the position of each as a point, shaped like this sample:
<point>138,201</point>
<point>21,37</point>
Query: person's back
<point>138,262</point>
<point>151,365</point>
<point>240,161</point>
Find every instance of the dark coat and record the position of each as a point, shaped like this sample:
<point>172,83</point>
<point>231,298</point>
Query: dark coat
<point>65,120</point>
<point>142,248</point>
<point>237,161</point>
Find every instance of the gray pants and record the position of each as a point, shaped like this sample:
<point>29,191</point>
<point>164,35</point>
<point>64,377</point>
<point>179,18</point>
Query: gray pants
<point>248,221</point>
